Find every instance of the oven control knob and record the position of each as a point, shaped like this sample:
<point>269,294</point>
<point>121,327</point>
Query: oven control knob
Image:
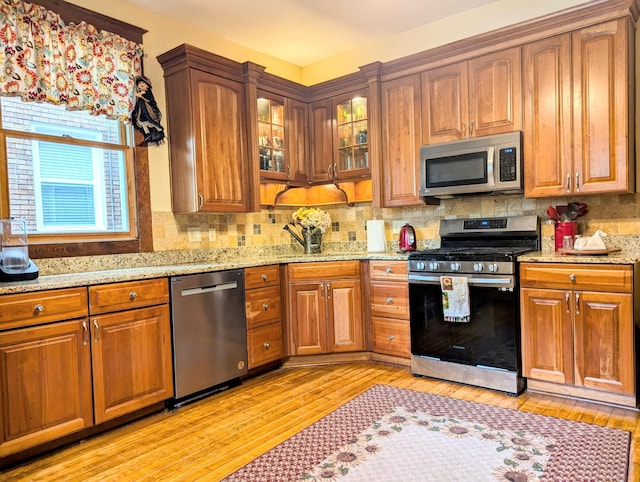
<point>478,267</point>
<point>493,267</point>
<point>433,266</point>
<point>455,266</point>
<point>420,265</point>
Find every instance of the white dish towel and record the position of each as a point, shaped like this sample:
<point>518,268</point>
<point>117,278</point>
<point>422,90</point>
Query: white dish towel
<point>455,299</point>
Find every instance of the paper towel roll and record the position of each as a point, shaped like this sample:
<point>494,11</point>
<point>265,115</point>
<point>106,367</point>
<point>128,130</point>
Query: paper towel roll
<point>376,237</point>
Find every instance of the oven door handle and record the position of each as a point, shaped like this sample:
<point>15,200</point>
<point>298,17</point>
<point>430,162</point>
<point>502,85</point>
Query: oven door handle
<point>491,281</point>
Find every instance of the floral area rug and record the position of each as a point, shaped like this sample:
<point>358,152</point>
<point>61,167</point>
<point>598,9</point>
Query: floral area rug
<point>393,434</point>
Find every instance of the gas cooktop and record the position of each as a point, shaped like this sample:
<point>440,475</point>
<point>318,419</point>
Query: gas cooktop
<point>483,239</point>
<point>478,253</point>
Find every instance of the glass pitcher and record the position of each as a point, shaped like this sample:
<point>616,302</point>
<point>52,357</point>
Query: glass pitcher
<point>15,250</point>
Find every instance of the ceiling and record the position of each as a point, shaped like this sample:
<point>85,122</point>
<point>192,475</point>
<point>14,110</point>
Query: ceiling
<point>303,32</point>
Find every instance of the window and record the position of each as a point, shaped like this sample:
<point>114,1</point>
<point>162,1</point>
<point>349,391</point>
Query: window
<point>83,193</point>
<point>70,173</point>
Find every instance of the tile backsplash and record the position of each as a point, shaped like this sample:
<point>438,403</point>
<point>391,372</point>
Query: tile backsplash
<point>615,214</point>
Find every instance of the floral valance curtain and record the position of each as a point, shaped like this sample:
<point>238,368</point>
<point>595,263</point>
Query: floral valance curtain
<point>42,59</point>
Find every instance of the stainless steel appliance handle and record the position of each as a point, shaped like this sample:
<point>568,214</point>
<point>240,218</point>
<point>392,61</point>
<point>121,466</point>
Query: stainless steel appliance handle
<point>493,281</point>
<point>209,289</point>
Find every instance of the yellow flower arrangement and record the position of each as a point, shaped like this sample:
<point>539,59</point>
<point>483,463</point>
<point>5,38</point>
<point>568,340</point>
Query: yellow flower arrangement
<point>311,218</point>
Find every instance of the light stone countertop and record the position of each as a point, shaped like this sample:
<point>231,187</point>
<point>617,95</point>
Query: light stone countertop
<point>93,270</point>
<point>146,268</point>
<point>622,257</point>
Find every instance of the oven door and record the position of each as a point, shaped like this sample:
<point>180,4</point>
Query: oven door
<point>490,338</point>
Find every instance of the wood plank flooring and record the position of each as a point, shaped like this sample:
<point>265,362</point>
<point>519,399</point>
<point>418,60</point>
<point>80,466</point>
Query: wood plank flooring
<point>212,438</point>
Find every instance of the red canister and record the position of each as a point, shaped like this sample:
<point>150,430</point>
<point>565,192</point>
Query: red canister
<point>565,228</point>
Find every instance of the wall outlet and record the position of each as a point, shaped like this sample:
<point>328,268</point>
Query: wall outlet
<point>193,234</point>
<point>396,225</point>
<point>212,234</point>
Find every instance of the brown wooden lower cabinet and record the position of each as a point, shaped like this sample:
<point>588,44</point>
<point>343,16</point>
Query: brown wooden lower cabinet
<point>59,376</point>
<point>264,315</point>
<point>578,330</point>
<point>131,361</point>
<point>325,308</point>
<point>389,292</point>
<point>45,379</point>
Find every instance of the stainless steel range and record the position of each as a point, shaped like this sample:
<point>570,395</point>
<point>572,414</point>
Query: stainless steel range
<point>481,346</point>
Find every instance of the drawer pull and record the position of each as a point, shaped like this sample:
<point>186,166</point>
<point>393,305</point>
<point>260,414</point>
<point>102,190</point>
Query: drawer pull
<point>265,306</point>
<point>133,295</point>
<point>85,337</point>
<point>389,300</point>
<point>391,337</point>
<point>265,277</point>
<point>388,270</point>
<point>266,345</point>
<point>38,308</point>
<point>96,331</point>
<point>572,277</point>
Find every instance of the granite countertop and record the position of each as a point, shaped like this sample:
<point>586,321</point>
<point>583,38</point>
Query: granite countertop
<point>136,269</point>
<point>622,257</point>
<point>93,270</point>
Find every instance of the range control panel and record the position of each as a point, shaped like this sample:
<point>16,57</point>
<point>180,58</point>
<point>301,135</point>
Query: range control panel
<point>494,223</point>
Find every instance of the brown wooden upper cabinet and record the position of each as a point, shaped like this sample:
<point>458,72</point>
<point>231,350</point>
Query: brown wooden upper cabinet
<point>577,121</point>
<point>339,138</point>
<point>282,138</point>
<point>400,101</point>
<point>207,132</point>
<point>478,97</point>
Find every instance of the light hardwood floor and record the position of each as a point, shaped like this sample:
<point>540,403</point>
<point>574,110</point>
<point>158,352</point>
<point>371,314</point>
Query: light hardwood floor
<point>210,439</point>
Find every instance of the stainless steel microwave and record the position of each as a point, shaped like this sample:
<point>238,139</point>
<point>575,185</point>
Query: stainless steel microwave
<point>481,165</point>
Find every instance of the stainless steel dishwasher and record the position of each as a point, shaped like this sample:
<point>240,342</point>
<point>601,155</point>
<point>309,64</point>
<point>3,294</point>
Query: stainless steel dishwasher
<point>209,332</point>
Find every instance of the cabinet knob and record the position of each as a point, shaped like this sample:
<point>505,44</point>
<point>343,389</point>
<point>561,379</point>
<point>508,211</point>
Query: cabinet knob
<point>572,277</point>
<point>266,345</point>
<point>388,270</point>
<point>391,337</point>
<point>265,306</point>
<point>389,300</point>
<point>133,295</point>
<point>38,308</point>
<point>264,277</point>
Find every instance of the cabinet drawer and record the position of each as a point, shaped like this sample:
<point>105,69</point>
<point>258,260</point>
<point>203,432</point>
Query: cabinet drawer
<point>261,276</point>
<point>390,299</point>
<point>577,277</point>
<point>391,337</point>
<point>324,271</point>
<point>263,306</point>
<point>24,309</point>
<point>264,344</point>
<point>131,294</point>
<point>389,270</point>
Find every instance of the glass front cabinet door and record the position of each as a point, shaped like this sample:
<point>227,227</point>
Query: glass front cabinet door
<point>272,143</point>
<point>351,139</point>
